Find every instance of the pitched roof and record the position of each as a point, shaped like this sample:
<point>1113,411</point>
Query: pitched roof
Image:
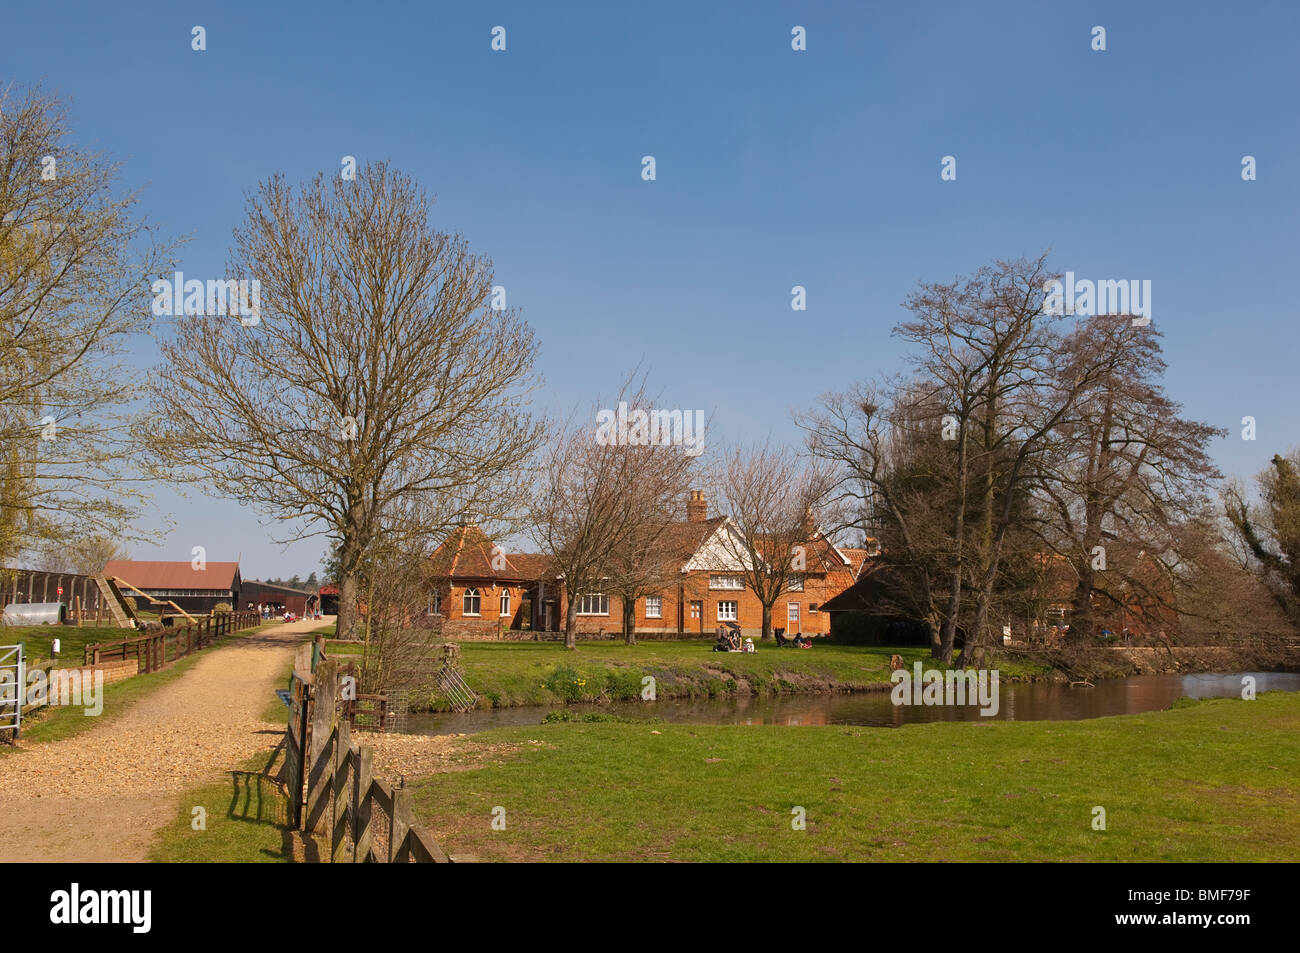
<point>469,553</point>
<point>150,574</point>
<point>685,538</point>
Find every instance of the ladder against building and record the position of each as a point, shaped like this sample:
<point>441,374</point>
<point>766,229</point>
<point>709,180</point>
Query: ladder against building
<point>117,606</point>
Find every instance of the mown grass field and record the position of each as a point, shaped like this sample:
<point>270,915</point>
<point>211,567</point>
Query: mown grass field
<point>546,673</point>
<point>244,820</point>
<point>1217,780</point>
<point>38,639</point>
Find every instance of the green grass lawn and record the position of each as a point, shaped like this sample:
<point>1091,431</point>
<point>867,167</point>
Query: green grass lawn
<point>37,639</point>
<point>1217,780</point>
<point>546,673</point>
<point>243,820</point>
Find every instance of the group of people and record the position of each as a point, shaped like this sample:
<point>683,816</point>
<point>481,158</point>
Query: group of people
<point>269,612</point>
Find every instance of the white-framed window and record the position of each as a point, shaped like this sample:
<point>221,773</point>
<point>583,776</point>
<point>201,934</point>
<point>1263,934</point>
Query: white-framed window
<point>795,583</point>
<point>435,602</point>
<point>593,603</point>
<point>717,581</point>
<point>792,615</point>
<point>472,601</point>
<point>505,603</point>
<point>654,607</point>
<point>697,608</point>
<point>727,610</point>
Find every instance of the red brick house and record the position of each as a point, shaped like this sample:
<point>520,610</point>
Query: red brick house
<point>479,590</point>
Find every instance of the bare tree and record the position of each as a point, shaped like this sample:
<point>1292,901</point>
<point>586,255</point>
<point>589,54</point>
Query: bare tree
<point>376,374</point>
<point>75,264</point>
<point>770,497</point>
<point>890,478</point>
<point>604,504</point>
<point>1124,475</point>
<point>648,560</point>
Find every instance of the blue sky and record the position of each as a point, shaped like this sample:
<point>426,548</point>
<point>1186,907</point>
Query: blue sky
<point>775,168</point>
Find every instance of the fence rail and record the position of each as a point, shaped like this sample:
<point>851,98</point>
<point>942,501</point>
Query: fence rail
<point>154,649</point>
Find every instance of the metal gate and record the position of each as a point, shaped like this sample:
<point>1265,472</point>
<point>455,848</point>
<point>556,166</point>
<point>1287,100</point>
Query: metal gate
<point>12,679</point>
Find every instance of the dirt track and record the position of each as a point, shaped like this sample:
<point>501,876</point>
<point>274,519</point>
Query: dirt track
<point>103,794</point>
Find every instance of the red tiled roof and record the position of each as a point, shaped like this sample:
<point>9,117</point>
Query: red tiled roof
<point>468,554</point>
<point>146,574</point>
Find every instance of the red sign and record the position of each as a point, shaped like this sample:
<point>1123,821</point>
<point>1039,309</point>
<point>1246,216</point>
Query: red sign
<point>58,591</point>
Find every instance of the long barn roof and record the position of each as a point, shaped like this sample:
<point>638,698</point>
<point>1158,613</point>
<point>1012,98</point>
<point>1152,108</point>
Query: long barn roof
<point>147,574</point>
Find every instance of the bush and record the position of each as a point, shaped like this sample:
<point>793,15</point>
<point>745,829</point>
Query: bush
<point>566,682</point>
<point>220,607</point>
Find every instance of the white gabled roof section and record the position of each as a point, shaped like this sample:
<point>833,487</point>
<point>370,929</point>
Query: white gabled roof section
<point>719,552</point>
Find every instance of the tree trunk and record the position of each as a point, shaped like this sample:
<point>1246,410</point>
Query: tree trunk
<point>629,621</point>
<point>571,624</point>
<point>347,618</point>
<point>958,537</point>
<point>350,552</point>
<point>767,623</point>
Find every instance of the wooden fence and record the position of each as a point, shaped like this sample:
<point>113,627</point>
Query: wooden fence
<point>155,649</point>
<point>364,819</point>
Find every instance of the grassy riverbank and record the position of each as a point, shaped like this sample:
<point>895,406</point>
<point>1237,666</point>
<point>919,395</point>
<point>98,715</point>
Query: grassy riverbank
<point>1217,780</point>
<point>545,673</point>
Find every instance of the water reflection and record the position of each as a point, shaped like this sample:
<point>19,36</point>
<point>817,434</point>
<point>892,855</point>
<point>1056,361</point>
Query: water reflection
<point>1033,701</point>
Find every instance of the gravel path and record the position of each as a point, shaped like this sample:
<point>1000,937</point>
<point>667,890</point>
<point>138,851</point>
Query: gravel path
<point>103,794</point>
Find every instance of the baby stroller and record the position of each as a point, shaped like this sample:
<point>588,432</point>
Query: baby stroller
<point>728,638</point>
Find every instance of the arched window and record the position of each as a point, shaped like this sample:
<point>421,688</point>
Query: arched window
<point>505,603</point>
<point>471,601</point>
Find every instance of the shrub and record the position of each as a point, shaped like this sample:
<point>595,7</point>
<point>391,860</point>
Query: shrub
<point>568,683</point>
<point>220,607</point>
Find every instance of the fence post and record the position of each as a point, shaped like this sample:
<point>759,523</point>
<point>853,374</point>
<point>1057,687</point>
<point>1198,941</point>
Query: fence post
<point>403,820</point>
<point>361,803</point>
<point>339,797</point>
<point>319,786</point>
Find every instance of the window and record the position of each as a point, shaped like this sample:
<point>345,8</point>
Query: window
<point>593,604</point>
<point>505,603</point>
<point>471,601</point>
<point>726,582</point>
<point>792,615</point>
<point>795,583</point>
<point>654,607</point>
<point>727,611</point>
<point>812,608</point>
<point>697,609</point>
<point>435,603</point>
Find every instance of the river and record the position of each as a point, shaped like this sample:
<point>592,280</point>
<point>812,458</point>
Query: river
<point>1025,701</point>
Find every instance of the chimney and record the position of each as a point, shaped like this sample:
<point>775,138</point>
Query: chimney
<point>697,507</point>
